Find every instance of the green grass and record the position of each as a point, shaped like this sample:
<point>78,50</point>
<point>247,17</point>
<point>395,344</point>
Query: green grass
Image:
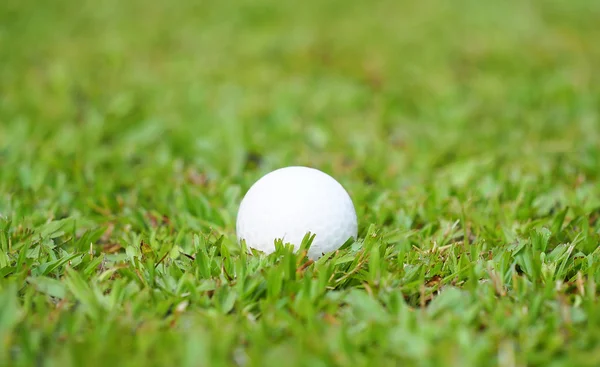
<point>467,133</point>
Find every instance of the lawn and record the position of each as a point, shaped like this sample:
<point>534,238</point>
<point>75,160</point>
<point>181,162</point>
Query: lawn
<point>466,132</point>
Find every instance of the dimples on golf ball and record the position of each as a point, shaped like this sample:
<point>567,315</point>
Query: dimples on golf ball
<point>289,202</point>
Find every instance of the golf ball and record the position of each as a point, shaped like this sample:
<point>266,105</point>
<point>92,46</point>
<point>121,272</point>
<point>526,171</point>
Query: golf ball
<point>289,202</point>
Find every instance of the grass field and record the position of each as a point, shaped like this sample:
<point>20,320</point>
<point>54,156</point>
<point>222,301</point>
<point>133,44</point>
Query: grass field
<point>467,133</point>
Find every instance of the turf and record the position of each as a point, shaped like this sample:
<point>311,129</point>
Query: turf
<point>467,133</point>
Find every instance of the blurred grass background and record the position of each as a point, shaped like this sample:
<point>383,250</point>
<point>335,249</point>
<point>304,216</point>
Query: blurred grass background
<point>392,91</point>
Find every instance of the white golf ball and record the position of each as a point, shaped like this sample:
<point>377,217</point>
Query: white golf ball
<point>289,202</point>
